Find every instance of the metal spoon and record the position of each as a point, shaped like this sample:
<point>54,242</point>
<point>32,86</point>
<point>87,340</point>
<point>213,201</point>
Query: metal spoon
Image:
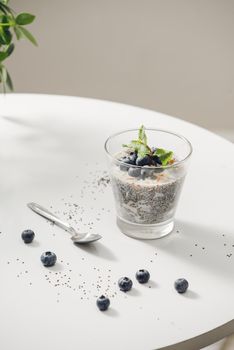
<point>76,237</point>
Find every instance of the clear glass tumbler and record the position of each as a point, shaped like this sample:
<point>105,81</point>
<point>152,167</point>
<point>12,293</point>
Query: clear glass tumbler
<point>146,205</point>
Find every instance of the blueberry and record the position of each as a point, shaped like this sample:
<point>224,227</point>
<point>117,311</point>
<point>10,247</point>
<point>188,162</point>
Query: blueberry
<point>127,161</point>
<point>27,236</point>
<point>125,284</point>
<point>181,285</point>
<point>48,259</point>
<point>103,303</point>
<point>156,160</point>
<point>143,161</point>
<point>142,276</point>
<point>134,172</point>
<point>133,157</point>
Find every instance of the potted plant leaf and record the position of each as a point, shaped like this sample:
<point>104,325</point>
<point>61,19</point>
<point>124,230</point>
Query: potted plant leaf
<point>12,26</point>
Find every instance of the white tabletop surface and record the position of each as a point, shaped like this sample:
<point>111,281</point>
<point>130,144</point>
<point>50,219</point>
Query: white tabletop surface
<point>51,152</point>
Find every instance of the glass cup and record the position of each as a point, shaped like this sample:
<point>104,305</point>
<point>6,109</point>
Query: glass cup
<point>146,197</point>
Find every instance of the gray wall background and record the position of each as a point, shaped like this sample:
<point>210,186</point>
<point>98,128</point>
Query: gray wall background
<point>173,56</point>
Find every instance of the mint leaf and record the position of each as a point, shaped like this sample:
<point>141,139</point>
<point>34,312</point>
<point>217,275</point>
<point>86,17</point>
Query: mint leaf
<point>134,145</point>
<point>143,151</point>
<point>159,152</point>
<point>163,155</point>
<point>139,147</point>
<point>166,157</point>
<point>142,135</point>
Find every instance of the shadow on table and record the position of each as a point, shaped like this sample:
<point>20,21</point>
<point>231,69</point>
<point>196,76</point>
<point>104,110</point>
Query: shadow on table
<point>207,248</point>
<point>56,267</point>
<point>111,312</point>
<point>98,249</point>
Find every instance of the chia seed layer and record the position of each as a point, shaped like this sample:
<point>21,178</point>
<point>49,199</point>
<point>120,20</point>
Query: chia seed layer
<point>147,201</point>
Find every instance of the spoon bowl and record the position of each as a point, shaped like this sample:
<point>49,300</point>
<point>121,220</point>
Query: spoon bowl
<point>85,238</point>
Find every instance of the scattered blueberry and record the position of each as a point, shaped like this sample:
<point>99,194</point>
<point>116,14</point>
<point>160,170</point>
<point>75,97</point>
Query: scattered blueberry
<point>143,161</point>
<point>134,172</point>
<point>181,285</point>
<point>125,284</point>
<point>142,276</point>
<point>27,236</point>
<point>103,303</point>
<point>48,259</point>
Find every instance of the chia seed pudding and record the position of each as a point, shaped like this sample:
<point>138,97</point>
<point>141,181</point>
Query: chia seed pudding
<point>147,180</point>
<point>146,200</point>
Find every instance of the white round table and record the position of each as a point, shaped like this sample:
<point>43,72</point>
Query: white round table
<point>51,152</point>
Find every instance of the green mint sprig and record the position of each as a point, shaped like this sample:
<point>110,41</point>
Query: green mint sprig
<point>142,149</point>
<point>11,24</point>
<point>163,155</point>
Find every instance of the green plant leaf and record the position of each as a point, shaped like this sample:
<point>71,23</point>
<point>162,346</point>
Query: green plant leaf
<point>25,33</point>
<point>159,152</point>
<point>5,36</point>
<point>7,52</point>
<point>3,55</point>
<point>4,74</point>
<point>5,79</point>
<point>163,155</point>
<point>5,2</point>
<point>4,20</point>
<point>143,151</point>
<point>139,147</point>
<point>10,49</point>
<point>4,8</point>
<point>24,19</point>
<point>142,135</point>
<point>18,33</point>
<point>166,157</point>
<point>9,82</point>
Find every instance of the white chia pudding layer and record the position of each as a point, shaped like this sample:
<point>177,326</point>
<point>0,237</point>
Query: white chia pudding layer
<point>147,201</point>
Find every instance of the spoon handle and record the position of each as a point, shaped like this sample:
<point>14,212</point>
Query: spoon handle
<point>50,216</point>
